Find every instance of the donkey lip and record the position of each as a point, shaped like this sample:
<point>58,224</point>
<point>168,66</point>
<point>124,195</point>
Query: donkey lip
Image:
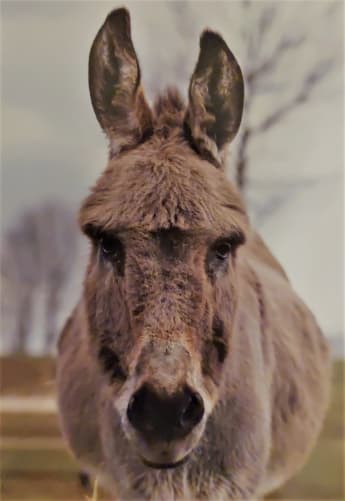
<point>163,466</point>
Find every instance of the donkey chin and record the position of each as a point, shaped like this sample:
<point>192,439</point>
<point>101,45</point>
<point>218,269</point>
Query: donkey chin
<point>163,428</point>
<point>160,453</point>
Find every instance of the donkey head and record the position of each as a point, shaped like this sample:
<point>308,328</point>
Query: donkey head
<point>165,226</point>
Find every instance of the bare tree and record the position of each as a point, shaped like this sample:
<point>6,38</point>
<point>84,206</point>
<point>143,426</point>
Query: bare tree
<point>39,252</point>
<point>19,279</point>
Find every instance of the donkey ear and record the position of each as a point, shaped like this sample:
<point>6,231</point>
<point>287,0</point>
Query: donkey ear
<point>114,81</point>
<point>216,94</point>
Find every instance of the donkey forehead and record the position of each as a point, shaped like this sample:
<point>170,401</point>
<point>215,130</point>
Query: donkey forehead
<point>160,188</point>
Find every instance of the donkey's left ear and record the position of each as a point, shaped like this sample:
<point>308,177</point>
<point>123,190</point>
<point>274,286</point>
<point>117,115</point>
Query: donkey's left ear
<point>216,95</point>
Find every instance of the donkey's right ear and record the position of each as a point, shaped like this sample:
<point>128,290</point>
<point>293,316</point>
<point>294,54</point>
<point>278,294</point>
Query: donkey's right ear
<point>114,81</point>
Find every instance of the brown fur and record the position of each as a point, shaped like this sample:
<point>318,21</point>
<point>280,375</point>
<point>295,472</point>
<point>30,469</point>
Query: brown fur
<point>165,309</point>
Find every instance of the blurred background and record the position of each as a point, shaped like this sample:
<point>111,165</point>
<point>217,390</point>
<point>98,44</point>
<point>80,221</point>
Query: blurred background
<point>287,160</point>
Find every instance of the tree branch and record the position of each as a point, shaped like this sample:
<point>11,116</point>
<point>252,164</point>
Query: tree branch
<point>255,37</point>
<point>270,63</point>
<point>314,77</point>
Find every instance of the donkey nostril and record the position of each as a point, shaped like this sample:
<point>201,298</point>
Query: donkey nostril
<point>163,417</point>
<point>136,407</point>
<point>131,409</point>
<point>193,410</point>
<point>187,412</point>
<point>131,405</point>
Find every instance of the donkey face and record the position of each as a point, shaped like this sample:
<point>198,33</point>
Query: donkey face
<point>165,225</point>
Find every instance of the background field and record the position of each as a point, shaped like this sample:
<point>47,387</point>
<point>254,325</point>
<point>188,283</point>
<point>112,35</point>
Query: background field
<point>36,466</point>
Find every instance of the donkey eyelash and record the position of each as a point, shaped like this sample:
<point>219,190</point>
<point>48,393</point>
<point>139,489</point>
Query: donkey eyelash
<point>92,231</point>
<point>98,235</point>
<point>232,241</point>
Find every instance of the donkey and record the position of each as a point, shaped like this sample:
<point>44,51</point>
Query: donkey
<point>189,369</point>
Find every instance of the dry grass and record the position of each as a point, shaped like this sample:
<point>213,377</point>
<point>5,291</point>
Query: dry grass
<point>23,375</point>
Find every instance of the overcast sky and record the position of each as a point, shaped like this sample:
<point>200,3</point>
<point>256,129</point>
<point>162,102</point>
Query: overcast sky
<point>53,147</point>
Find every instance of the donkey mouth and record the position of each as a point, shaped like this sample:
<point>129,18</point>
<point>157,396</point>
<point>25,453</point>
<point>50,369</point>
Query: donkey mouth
<point>164,466</point>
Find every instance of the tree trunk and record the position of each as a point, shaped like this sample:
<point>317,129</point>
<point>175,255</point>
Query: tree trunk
<point>52,307</point>
<point>242,161</point>
<point>23,322</point>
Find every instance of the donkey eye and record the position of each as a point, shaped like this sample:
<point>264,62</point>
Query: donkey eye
<point>111,246</point>
<point>222,250</point>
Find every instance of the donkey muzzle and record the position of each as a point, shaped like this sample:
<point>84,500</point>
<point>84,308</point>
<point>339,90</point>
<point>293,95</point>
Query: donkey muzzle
<point>160,417</point>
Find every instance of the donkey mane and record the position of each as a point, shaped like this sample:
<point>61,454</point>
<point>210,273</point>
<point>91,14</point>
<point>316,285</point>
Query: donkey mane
<point>169,109</point>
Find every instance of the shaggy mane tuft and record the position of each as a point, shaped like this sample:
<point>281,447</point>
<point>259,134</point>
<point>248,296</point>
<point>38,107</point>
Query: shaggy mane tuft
<point>169,108</point>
